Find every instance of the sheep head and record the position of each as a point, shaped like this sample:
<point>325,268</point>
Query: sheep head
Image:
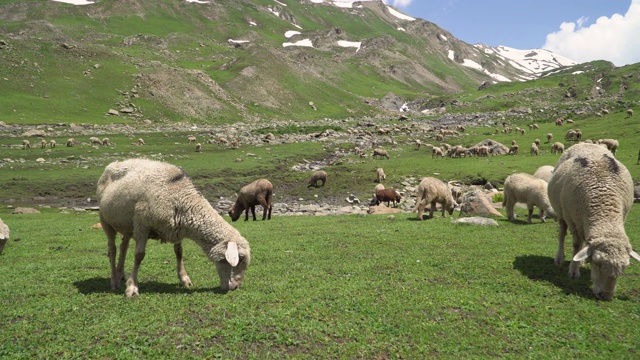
<point>232,266</point>
<point>606,267</point>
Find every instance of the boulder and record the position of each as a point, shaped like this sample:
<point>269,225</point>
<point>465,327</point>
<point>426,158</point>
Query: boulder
<point>381,209</point>
<point>476,203</point>
<point>476,220</point>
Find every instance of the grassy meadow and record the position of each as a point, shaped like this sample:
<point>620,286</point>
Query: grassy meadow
<point>317,287</point>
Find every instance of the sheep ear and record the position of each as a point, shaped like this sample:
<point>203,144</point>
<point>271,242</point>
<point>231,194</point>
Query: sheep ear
<point>582,254</point>
<point>634,255</point>
<point>232,253</point>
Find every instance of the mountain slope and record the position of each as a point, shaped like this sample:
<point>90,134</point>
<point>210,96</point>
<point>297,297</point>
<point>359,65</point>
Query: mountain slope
<point>171,60</point>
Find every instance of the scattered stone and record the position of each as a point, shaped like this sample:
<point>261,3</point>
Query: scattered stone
<point>476,220</point>
<point>476,203</point>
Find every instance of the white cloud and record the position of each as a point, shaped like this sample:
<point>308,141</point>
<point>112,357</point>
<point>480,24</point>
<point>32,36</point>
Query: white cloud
<point>614,38</point>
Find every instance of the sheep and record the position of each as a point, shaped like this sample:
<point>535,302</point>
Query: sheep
<point>71,142</point>
<point>198,147</point>
<point>544,172</point>
<point>612,144</point>
<point>528,189</point>
<point>95,140</point>
<point>145,199</point>
<point>513,150</point>
<point>537,142</point>
<point>483,151</point>
<point>191,139</point>
<point>140,141</point>
<point>52,143</point>
<point>388,195</point>
<point>319,175</point>
<point>432,191</point>
<point>629,112</point>
<point>4,235</point>
<point>235,143</point>
<point>571,135</point>
<point>549,137</point>
<point>514,142</point>
<point>456,191</point>
<point>106,142</point>
<point>26,144</point>
<point>592,194</point>
<point>436,151</point>
<point>534,149</point>
<point>43,144</point>
<point>259,192</point>
<point>559,121</point>
<point>557,147</point>
<point>380,175</point>
<point>380,152</point>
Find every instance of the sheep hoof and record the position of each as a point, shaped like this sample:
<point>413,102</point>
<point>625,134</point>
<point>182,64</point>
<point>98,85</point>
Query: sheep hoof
<point>132,291</point>
<point>186,282</point>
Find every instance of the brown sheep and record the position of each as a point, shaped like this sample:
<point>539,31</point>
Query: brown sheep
<point>319,175</point>
<point>259,192</point>
<point>388,195</point>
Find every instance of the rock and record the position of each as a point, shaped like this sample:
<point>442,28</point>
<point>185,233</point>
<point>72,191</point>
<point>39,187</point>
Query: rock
<point>127,110</point>
<point>25,210</point>
<point>476,220</point>
<point>40,160</point>
<point>476,203</point>
<point>113,112</point>
<point>31,133</point>
<point>381,209</point>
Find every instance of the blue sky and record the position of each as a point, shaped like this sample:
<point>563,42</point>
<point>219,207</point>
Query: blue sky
<point>581,30</point>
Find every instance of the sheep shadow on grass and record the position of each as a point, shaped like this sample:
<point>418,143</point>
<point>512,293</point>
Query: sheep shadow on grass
<point>542,268</point>
<point>98,285</point>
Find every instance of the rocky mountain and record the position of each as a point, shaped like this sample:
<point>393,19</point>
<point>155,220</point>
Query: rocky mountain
<point>223,61</point>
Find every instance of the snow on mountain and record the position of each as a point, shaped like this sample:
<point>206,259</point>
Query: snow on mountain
<point>533,62</point>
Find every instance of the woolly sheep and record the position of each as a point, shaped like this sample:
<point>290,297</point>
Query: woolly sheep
<point>592,194</point>
<point>259,192</point>
<point>52,143</point>
<point>43,143</point>
<point>198,147</point>
<point>140,141</point>
<point>629,112</point>
<point>436,151</point>
<point>432,191</point>
<point>483,151</point>
<point>95,140</point>
<point>557,147</point>
<point>106,142</point>
<point>528,189</point>
<point>544,172</point>
<point>612,144</point>
<point>513,150</point>
<point>534,149</point>
<point>549,137</point>
<point>387,195</point>
<point>319,175</point>
<point>537,142</point>
<point>380,175</point>
<point>380,152</point>
<point>4,235</point>
<point>26,144</point>
<point>71,142</point>
<point>191,139</point>
<point>145,199</point>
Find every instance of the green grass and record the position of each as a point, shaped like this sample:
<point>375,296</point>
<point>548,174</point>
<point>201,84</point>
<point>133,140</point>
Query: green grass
<point>317,287</point>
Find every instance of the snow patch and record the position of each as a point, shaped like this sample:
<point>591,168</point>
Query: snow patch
<point>231,41</point>
<point>402,29</point>
<point>305,42</point>
<point>75,2</point>
<point>399,15</point>
<point>451,55</point>
<point>443,38</point>
<point>290,33</point>
<point>252,23</point>
<point>198,1</point>
<point>280,3</point>
<point>355,44</point>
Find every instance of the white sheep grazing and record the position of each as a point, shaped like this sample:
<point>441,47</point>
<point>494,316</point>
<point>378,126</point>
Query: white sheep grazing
<point>26,144</point>
<point>629,112</point>
<point>95,140</point>
<point>318,175</point>
<point>140,141</point>
<point>380,175</point>
<point>432,191</point>
<point>380,152</point>
<point>198,147</point>
<point>52,143</point>
<point>259,192</point>
<point>528,189</point>
<point>534,149</point>
<point>544,172</point>
<point>557,147</point>
<point>43,144</point>
<point>611,144</point>
<point>4,235</point>
<point>106,142</point>
<point>436,151</point>
<point>191,139</point>
<point>549,137</point>
<point>150,199</point>
<point>592,194</point>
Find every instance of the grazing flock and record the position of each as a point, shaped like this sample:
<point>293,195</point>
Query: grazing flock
<point>588,192</point>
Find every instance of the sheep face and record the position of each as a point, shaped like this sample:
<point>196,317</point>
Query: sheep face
<point>232,267</point>
<point>235,212</point>
<point>605,268</point>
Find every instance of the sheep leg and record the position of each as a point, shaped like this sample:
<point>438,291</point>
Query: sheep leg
<point>561,235</point>
<point>542,215</point>
<point>253,212</point>
<point>246,214</point>
<point>530,214</point>
<point>132,283</point>
<point>182,272</point>
<point>574,266</point>
<point>124,246</point>
<point>509,208</point>
<point>433,207</point>
<point>111,247</point>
